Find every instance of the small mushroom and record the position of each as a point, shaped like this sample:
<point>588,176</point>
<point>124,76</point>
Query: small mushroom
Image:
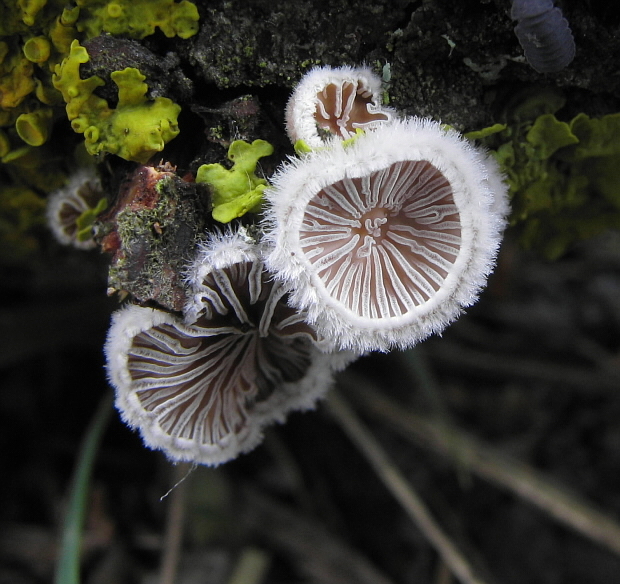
<point>332,101</point>
<point>72,209</point>
<point>204,388</point>
<point>385,240</point>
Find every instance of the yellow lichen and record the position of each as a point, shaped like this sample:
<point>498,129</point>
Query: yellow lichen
<point>236,191</point>
<point>16,80</point>
<point>138,18</point>
<point>37,49</point>
<point>30,9</point>
<point>62,32</point>
<point>34,127</point>
<point>135,130</point>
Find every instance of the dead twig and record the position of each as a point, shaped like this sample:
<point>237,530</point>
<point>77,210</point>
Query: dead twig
<point>173,539</point>
<point>518,477</point>
<point>402,490</point>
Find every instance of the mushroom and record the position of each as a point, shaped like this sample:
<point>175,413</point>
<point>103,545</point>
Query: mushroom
<point>72,208</point>
<point>204,388</point>
<point>335,102</point>
<point>383,241</point>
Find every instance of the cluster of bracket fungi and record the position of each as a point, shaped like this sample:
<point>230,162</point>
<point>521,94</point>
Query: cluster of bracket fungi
<point>377,235</point>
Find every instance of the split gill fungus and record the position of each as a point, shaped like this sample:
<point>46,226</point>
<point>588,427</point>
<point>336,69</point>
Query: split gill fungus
<point>345,107</point>
<point>383,241</point>
<point>335,102</point>
<point>69,208</point>
<point>369,233</point>
<point>203,389</point>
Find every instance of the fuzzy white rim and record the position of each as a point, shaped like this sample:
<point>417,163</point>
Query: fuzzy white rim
<point>127,323</point>
<point>479,195</point>
<point>301,107</point>
<point>68,195</point>
<point>131,321</point>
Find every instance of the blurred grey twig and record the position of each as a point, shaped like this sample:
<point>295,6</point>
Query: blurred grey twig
<point>523,480</point>
<point>402,490</point>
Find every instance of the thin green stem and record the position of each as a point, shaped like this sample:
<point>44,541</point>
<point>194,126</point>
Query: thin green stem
<point>68,567</point>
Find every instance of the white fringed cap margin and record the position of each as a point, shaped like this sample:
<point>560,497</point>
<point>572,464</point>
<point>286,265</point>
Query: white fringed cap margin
<point>203,391</point>
<point>220,249</point>
<point>132,322</point>
<point>384,240</point>
<point>64,205</point>
<point>358,104</point>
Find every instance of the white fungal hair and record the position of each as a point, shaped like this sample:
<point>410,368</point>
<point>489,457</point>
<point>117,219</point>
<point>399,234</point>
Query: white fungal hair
<point>385,240</point>
<point>203,389</point>
<point>65,205</point>
<point>221,248</point>
<point>332,101</point>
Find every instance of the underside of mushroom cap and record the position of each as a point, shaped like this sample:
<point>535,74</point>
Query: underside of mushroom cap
<point>385,240</point>
<point>335,101</point>
<point>66,205</point>
<point>204,390</point>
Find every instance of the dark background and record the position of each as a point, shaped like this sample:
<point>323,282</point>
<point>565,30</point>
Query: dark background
<point>533,369</point>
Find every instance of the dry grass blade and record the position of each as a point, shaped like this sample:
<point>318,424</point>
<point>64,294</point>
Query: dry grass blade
<point>174,523</point>
<point>520,478</point>
<point>569,377</point>
<point>402,490</point>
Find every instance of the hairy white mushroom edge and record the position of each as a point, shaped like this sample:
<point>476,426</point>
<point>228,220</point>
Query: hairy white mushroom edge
<point>127,323</point>
<point>301,110</point>
<point>299,203</point>
<point>67,203</point>
<point>189,412</point>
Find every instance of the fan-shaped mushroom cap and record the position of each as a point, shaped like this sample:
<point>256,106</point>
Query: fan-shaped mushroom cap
<point>204,390</point>
<point>383,241</point>
<point>82,193</point>
<point>332,101</point>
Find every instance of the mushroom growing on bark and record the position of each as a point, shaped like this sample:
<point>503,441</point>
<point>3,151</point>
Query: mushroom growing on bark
<point>383,241</point>
<point>72,208</point>
<point>204,388</point>
<point>332,101</point>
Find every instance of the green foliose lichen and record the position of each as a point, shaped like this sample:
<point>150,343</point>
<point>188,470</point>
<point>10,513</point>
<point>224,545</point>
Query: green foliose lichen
<point>135,130</point>
<point>34,127</point>
<point>138,18</point>
<point>238,190</point>
<point>563,176</point>
<point>16,81</point>
<point>36,35</point>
